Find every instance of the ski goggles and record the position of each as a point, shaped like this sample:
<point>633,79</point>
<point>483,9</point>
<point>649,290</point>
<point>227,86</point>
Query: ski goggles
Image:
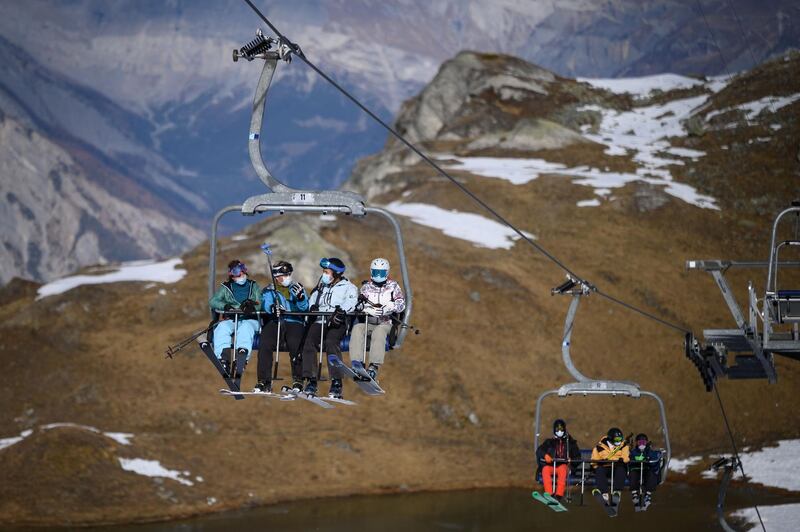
<point>617,439</point>
<point>327,263</point>
<point>379,274</point>
<point>641,442</point>
<point>238,269</point>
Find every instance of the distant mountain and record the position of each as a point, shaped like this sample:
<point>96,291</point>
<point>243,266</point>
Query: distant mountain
<point>149,89</point>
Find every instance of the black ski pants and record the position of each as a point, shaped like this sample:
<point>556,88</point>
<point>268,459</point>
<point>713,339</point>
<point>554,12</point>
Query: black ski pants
<point>603,476</point>
<point>291,334</point>
<point>331,347</point>
<point>648,479</point>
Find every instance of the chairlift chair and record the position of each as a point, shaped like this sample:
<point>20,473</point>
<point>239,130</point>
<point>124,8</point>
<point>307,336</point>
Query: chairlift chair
<point>585,387</point>
<point>281,199</point>
<point>770,329</point>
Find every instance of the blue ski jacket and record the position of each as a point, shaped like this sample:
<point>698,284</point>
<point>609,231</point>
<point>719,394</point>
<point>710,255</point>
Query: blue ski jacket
<point>286,300</point>
<point>648,457</point>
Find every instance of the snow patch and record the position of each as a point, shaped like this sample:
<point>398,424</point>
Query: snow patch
<point>239,238</point>
<point>773,466</point>
<point>642,87</point>
<point>521,171</point>
<point>123,438</point>
<point>161,272</point>
<point>8,442</point>
<point>779,518</point>
<point>589,203</point>
<point>153,468</point>
<point>682,465</point>
<point>481,231</point>
<point>754,108</point>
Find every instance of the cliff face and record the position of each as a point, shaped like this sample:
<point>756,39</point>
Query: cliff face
<point>621,180</point>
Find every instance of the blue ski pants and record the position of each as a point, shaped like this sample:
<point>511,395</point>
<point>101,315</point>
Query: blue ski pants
<point>245,332</point>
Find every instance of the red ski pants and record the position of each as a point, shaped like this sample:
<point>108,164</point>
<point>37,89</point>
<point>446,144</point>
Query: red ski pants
<point>561,479</point>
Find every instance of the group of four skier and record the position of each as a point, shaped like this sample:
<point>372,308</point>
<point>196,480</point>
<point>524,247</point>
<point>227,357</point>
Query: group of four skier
<point>380,299</point>
<point>613,460</point>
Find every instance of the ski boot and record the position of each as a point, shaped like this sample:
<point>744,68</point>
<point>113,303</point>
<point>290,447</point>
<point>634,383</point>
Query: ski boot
<point>616,496</point>
<point>647,499</point>
<point>373,371</point>
<point>336,389</point>
<point>604,495</point>
<point>635,498</point>
<point>311,388</point>
<point>263,387</point>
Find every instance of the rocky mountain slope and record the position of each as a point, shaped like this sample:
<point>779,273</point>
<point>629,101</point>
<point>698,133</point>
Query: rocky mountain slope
<point>150,90</point>
<point>622,182</point>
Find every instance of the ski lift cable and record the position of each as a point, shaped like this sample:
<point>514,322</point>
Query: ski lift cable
<point>298,52</point>
<point>736,456</point>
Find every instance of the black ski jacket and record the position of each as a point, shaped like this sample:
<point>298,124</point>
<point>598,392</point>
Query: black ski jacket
<point>559,449</point>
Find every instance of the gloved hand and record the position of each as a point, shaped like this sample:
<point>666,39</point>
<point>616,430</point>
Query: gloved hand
<point>388,308</point>
<point>548,459</point>
<point>297,291</point>
<point>372,311</point>
<point>248,306</point>
<point>338,317</point>
<point>228,307</point>
<point>314,308</point>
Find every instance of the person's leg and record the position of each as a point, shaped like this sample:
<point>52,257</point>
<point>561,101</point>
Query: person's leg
<point>547,478</point>
<point>266,345</point>
<point>377,345</point>
<point>310,352</point>
<point>357,341</point>
<point>293,335</point>
<point>650,480</point>
<point>601,476</point>
<point>245,334</point>
<point>222,336</point>
<point>561,479</point>
<point>332,339</point>
<point>620,472</point>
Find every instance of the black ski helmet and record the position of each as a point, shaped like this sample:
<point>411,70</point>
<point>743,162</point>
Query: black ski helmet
<point>282,268</point>
<point>641,436</point>
<point>614,433</point>
<point>559,424</point>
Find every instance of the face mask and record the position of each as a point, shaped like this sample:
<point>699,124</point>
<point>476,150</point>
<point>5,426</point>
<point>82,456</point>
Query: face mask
<point>241,280</point>
<point>559,434</point>
<point>286,280</point>
<point>326,278</point>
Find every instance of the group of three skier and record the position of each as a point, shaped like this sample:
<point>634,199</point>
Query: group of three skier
<point>380,298</point>
<point>612,460</point>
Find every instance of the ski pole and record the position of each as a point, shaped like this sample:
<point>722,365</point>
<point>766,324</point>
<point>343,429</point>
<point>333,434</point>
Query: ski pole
<point>277,351</point>
<point>641,480</point>
<point>366,330</point>
<point>321,346</point>
<point>611,493</point>
<point>173,349</point>
<point>583,478</point>
<point>233,347</point>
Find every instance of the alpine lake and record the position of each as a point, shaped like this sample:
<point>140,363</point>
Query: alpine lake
<point>676,506</point>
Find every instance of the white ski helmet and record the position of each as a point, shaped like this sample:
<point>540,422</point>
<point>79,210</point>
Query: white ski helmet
<point>379,270</point>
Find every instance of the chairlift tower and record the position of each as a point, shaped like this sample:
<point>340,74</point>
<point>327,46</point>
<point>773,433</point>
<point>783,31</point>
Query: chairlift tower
<point>772,325</point>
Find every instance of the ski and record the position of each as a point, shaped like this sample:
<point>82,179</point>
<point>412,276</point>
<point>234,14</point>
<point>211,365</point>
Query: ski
<point>340,401</point>
<point>358,367</point>
<point>548,501</point>
<point>368,386</point>
<point>310,398</point>
<point>610,509</point>
<point>225,391</point>
<point>205,347</point>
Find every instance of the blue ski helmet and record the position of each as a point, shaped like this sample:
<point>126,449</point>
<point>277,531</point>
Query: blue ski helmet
<point>334,264</point>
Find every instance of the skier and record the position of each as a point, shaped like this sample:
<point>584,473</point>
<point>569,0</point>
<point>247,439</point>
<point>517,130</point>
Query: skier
<point>562,449</point>
<point>237,293</point>
<point>382,297</point>
<point>289,296</point>
<point>335,293</point>
<point>612,448</point>
<point>644,471</point>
